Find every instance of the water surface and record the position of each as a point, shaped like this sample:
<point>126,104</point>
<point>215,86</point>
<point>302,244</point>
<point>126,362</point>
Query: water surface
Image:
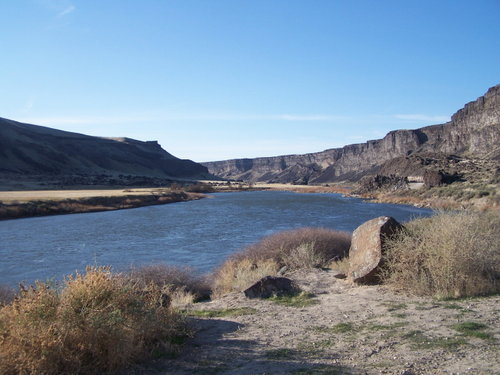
<point>196,233</point>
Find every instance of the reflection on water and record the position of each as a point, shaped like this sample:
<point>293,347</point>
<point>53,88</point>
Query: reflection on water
<point>197,233</point>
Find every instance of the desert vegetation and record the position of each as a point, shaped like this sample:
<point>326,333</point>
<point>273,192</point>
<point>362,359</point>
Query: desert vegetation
<point>447,255</point>
<point>184,285</point>
<point>97,321</point>
<point>293,249</point>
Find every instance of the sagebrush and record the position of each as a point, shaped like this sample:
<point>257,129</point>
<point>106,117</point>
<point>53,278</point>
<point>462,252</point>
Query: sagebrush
<point>447,255</point>
<point>97,322</point>
<point>182,284</point>
<point>293,249</point>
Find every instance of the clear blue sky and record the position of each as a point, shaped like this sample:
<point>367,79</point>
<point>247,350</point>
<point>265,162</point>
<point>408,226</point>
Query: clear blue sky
<point>220,79</point>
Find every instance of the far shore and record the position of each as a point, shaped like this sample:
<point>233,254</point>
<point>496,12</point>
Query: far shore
<point>22,204</point>
<point>28,203</point>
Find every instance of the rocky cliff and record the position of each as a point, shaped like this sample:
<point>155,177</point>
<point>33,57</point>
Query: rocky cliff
<point>473,130</point>
<point>31,150</point>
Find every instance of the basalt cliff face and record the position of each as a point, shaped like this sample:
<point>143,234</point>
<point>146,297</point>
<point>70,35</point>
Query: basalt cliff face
<point>30,150</point>
<point>473,131</point>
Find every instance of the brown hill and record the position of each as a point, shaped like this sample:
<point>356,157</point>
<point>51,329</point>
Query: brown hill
<point>29,150</point>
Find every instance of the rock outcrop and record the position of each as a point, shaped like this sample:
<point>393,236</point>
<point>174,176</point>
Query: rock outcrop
<point>473,130</point>
<point>31,150</point>
<point>367,248</point>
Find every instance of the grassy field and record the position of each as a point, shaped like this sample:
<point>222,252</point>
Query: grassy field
<point>19,204</point>
<point>8,197</point>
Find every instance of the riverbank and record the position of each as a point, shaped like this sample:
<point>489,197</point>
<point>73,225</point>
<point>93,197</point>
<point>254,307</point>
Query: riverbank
<point>330,326</point>
<point>342,329</point>
<point>21,204</point>
<point>442,197</point>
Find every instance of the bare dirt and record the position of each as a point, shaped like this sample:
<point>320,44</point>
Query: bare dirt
<point>348,330</point>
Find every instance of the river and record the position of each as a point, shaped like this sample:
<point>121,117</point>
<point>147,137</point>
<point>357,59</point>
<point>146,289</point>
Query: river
<point>200,233</point>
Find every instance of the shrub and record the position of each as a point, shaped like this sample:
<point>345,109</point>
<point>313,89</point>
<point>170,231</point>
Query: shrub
<point>448,255</point>
<point>183,284</point>
<point>97,322</point>
<point>295,249</point>
<point>199,187</point>
<point>239,274</point>
<point>341,266</point>
<point>301,248</point>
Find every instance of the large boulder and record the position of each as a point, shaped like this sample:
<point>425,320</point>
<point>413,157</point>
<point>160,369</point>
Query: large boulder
<point>367,248</point>
<point>271,286</point>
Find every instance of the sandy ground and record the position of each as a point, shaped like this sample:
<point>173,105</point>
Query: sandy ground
<point>350,330</point>
<point>29,195</point>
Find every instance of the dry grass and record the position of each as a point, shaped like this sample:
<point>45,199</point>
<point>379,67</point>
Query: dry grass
<point>184,285</point>
<point>341,265</point>
<point>448,255</point>
<point>96,203</point>
<point>301,248</point>
<point>23,196</point>
<point>293,249</point>
<point>238,275</point>
<point>97,322</point>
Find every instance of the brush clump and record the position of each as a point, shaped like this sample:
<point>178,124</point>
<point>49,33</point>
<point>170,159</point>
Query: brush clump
<point>98,321</point>
<point>447,255</point>
<point>293,249</point>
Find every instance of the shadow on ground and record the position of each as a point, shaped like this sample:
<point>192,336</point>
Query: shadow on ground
<point>215,350</point>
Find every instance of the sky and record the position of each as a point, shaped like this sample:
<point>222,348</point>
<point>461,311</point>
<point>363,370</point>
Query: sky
<point>222,79</point>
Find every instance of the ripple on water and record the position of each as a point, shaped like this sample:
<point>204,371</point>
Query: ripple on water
<point>197,233</point>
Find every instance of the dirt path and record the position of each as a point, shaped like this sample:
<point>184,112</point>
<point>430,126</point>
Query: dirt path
<point>348,330</point>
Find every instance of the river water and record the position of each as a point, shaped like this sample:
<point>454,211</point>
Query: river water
<point>196,233</point>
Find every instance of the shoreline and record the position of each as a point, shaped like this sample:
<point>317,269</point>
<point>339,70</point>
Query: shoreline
<point>36,203</point>
<point>435,202</point>
<point>25,204</point>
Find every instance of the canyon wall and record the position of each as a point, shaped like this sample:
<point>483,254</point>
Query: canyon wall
<point>473,131</point>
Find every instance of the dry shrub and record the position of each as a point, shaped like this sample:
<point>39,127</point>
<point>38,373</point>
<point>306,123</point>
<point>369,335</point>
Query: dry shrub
<point>301,248</point>
<point>295,249</point>
<point>238,275</point>
<point>97,322</point>
<point>448,255</point>
<point>341,265</point>
<point>183,284</point>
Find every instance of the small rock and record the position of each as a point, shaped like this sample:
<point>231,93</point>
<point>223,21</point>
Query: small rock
<point>407,372</point>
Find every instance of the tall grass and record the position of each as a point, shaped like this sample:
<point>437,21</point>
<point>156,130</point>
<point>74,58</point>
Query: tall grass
<point>293,249</point>
<point>448,255</point>
<point>98,321</point>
